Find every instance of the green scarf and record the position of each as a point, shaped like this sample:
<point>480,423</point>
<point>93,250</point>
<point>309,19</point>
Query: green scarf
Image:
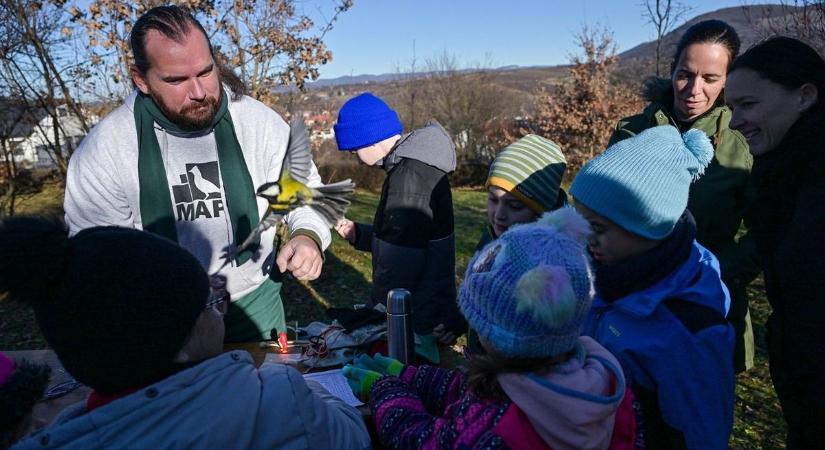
<point>156,210</point>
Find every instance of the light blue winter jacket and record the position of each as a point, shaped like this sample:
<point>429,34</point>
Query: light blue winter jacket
<point>222,403</point>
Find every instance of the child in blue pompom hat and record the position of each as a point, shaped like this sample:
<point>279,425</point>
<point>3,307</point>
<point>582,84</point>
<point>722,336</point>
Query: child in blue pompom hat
<point>660,304</point>
<point>411,238</point>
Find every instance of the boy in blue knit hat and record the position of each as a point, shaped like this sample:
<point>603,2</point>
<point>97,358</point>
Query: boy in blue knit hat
<point>660,304</point>
<point>411,237</point>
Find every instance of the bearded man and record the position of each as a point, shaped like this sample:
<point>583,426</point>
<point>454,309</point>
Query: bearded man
<point>181,158</point>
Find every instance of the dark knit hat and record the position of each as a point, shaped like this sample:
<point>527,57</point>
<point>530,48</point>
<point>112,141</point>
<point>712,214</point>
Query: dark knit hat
<point>115,304</point>
<point>531,169</point>
<point>365,120</point>
<point>21,386</point>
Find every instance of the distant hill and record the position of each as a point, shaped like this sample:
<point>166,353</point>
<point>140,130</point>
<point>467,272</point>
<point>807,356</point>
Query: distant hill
<point>740,18</point>
<point>352,79</point>
<point>386,77</point>
<point>519,85</point>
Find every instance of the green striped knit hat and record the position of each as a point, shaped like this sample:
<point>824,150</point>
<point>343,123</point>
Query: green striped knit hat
<point>531,170</point>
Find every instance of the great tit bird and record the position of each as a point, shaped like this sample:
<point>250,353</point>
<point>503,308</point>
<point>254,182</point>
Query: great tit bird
<point>291,190</point>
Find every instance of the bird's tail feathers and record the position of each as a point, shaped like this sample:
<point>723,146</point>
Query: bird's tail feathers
<point>332,200</point>
<point>329,212</point>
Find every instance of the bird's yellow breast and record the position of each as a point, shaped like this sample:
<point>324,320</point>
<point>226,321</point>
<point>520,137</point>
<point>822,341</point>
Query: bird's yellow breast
<point>292,195</point>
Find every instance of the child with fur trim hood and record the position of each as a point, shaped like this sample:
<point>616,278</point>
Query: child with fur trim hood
<point>21,386</point>
<point>539,386</point>
<point>660,305</point>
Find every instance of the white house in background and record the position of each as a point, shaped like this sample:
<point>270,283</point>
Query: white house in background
<point>319,125</point>
<point>29,133</point>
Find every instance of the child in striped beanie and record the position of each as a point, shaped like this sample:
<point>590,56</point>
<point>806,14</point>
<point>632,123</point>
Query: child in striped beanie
<point>524,182</point>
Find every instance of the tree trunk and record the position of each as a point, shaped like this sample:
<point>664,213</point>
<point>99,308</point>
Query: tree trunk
<point>8,200</point>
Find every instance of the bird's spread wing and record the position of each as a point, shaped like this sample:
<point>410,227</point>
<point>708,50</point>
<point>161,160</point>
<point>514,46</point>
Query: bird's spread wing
<point>298,158</point>
<point>332,200</point>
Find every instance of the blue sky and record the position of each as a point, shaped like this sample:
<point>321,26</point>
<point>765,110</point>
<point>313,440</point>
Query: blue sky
<point>376,36</point>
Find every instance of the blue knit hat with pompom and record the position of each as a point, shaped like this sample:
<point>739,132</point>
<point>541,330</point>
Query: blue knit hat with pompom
<point>527,293</point>
<point>642,183</point>
<point>365,120</point>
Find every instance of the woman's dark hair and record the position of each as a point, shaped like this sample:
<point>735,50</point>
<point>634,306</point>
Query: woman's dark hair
<point>704,32</point>
<point>787,62</point>
<point>484,368</point>
<point>708,32</point>
<point>175,22</point>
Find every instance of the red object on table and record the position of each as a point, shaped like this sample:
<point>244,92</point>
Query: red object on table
<point>283,343</point>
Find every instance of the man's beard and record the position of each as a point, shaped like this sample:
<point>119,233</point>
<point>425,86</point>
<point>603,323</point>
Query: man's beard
<point>193,117</point>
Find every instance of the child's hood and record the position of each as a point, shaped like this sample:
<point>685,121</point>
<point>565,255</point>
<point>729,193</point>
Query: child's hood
<point>430,144</point>
<point>574,405</point>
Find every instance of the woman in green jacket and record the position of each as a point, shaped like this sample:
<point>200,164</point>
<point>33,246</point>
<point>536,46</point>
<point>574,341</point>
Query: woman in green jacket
<point>693,98</point>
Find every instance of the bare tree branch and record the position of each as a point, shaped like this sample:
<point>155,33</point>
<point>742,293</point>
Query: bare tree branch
<point>802,19</point>
<point>664,15</point>
<point>579,114</point>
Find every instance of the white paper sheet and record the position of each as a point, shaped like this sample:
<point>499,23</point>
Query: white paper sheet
<point>336,383</point>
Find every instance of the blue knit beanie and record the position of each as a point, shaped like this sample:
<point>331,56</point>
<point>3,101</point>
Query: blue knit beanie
<point>642,183</point>
<point>365,120</point>
<point>528,292</point>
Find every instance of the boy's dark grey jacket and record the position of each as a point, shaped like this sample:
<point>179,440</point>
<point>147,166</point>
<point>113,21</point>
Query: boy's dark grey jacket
<point>412,236</point>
